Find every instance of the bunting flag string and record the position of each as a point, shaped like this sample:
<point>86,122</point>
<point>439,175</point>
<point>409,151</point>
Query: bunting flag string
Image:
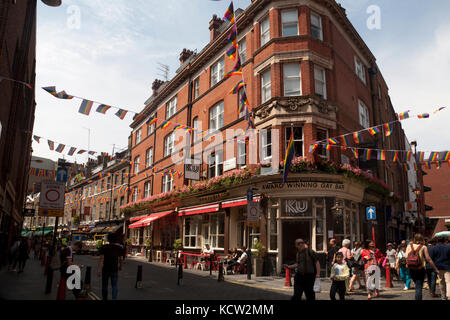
<point>41,172</point>
<point>17,81</point>
<point>61,147</point>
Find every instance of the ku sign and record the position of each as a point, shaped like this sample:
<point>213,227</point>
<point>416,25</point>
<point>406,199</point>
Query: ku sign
<point>371,213</point>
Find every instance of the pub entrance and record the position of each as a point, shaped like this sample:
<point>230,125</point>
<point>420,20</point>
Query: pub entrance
<point>292,230</point>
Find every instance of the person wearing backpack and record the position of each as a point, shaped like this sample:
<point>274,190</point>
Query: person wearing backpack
<point>402,270</point>
<point>416,257</point>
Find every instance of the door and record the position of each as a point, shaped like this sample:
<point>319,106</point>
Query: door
<point>292,230</point>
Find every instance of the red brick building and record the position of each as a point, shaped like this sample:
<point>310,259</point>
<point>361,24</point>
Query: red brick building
<point>306,70</point>
<point>438,198</point>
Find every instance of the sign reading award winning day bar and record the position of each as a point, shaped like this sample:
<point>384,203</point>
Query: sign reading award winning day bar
<point>305,185</point>
<point>51,200</point>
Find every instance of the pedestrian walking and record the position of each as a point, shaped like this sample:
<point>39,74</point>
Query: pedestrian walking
<point>66,260</point>
<point>416,257</point>
<point>348,259</point>
<point>109,265</point>
<point>440,255</point>
<point>402,270</point>
<point>330,254</point>
<point>340,274</point>
<point>358,267</point>
<point>430,272</point>
<point>307,271</point>
<point>391,259</point>
<point>14,254</point>
<point>368,255</point>
<point>22,255</point>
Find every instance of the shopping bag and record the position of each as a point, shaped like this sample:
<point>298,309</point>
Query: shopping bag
<point>317,285</point>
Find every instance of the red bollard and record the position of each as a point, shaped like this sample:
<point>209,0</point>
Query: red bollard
<point>288,283</point>
<point>62,289</point>
<point>388,277</point>
<point>185,261</point>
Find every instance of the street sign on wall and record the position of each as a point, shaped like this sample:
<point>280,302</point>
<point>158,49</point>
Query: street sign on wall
<point>51,200</point>
<point>371,213</point>
<point>252,211</point>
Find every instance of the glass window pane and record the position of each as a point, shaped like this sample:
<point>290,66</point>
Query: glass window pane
<point>319,243</point>
<point>290,29</point>
<point>273,242</point>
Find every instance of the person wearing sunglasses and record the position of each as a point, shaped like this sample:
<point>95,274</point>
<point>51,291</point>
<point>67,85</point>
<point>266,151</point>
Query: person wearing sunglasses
<point>307,270</point>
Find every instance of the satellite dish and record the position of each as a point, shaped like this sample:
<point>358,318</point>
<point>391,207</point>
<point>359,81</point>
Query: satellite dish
<point>52,3</point>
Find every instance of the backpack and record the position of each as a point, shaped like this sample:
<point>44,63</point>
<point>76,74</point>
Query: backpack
<point>413,259</point>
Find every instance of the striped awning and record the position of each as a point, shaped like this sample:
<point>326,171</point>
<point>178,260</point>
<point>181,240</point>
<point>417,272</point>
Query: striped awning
<point>237,202</point>
<point>212,207</point>
<point>145,221</point>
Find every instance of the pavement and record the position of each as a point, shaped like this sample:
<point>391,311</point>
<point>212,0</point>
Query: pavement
<point>159,282</point>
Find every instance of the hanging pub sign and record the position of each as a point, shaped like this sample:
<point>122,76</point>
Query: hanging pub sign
<point>192,171</point>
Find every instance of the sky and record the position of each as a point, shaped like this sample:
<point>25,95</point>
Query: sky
<point>109,51</point>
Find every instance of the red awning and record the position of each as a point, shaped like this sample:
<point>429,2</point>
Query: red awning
<point>213,207</point>
<point>145,221</point>
<point>237,202</point>
<point>138,218</point>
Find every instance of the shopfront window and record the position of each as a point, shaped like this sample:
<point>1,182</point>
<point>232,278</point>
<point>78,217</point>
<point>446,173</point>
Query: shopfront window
<point>320,224</point>
<point>216,231</point>
<point>191,231</point>
<point>255,235</point>
<point>273,229</point>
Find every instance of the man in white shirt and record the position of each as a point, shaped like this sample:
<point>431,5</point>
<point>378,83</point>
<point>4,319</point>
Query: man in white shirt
<point>208,249</point>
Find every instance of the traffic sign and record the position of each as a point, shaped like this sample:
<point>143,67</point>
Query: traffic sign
<point>252,211</point>
<point>249,195</point>
<point>61,174</point>
<point>51,200</point>
<point>371,213</point>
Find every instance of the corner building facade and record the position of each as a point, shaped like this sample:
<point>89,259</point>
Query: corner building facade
<point>307,71</point>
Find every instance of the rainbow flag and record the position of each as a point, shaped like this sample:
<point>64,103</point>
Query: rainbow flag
<point>446,156</point>
<point>92,153</point>
<point>357,137</point>
<point>288,157</point>
<point>440,109</point>
<point>373,131</point>
<point>232,51</point>
<point>395,156</point>
<point>368,154</point>
<point>103,108</point>
<point>121,114</point>
<point>165,124</point>
<point>438,164</point>
<point>355,153</point>
<point>415,166</point>
<point>64,95</point>
<point>86,107</point>
<point>406,166</point>
<point>428,165</point>
<point>313,147</point>
<point>423,116</point>
<point>51,144</point>
<point>345,141</point>
<point>328,147</point>
<point>81,151</point>
<point>408,156</point>
<point>381,155</point>
<point>229,14</point>
<point>403,115</point>
<point>60,148</point>
<point>37,139</point>
<point>151,121</point>
<point>433,156</point>
<point>138,116</point>
<point>237,70</point>
<point>180,174</point>
<point>420,157</point>
<point>244,102</point>
<point>178,126</point>
<point>72,151</point>
<point>232,38</point>
<point>333,141</point>
<point>388,129</point>
<point>236,88</point>
<point>51,90</point>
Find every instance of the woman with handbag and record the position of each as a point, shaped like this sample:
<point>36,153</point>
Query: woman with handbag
<point>401,268</point>
<point>347,255</point>
<point>358,267</point>
<point>369,258</point>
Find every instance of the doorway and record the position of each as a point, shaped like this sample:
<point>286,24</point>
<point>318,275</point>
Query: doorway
<point>293,230</point>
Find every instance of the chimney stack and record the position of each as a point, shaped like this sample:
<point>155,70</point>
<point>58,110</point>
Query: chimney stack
<point>184,55</point>
<point>155,86</point>
<point>214,26</point>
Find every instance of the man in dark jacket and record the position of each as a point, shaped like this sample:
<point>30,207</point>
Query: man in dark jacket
<point>331,253</point>
<point>440,254</point>
<point>307,270</point>
<point>111,259</point>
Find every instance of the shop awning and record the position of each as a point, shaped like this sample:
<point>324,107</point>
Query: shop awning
<point>213,207</point>
<point>98,230</point>
<point>237,202</point>
<point>149,219</point>
<point>138,218</point>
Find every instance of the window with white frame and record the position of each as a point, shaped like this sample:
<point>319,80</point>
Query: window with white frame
<point>171,107</point>
<point>321,150</point>
<point>151,127</point>
<point>217,71</point>
<point>266,144</point>
<point>192,228</point>
<point>265,31</point>
<point>217,230</point>
<point>298,140</point>
<point>138,135</point>
<point>255,235</point>
<point>216,117</point>
<point>289,22</point>
<point>320,82</point>
<point>149,157</point>
<point>169,144</point>
<point>195,133</point>
<point>196,88</point>
<point>94,212</point>
<point>215,164</point>
<point>147,189</point>
<point>360,70</point>
<point>364,118</point>
<point>242,48</point>
<point>316,26</point>
<point>167,183</point>
<point>137,160</point>
<point>241,154</point>
<point>266,87</point>
<point>273,229</point>
<point>134,197</point>
<point>292,79</point>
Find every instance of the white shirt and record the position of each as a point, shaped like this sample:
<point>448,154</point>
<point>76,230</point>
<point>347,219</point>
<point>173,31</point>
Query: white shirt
<point>208,251</point>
